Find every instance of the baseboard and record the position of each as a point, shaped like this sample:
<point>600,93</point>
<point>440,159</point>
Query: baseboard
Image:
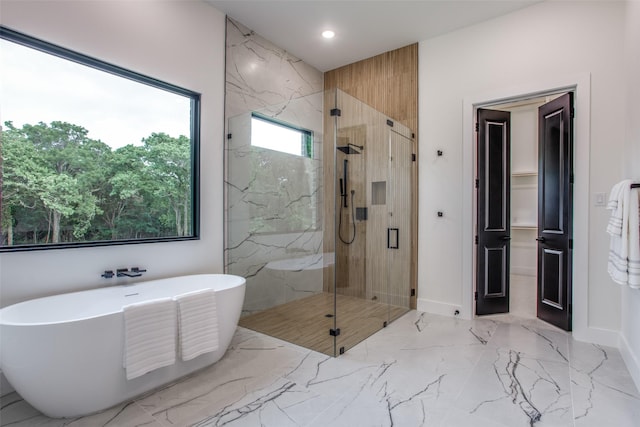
<point>607,337</point>
<point>631,360</point>
<point>438,307</point>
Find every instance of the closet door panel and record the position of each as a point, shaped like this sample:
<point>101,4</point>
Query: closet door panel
<point>493,228</point>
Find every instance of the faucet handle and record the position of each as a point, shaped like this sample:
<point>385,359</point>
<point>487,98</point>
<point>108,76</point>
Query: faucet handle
<point>108,274</point>
<point>137,270</point>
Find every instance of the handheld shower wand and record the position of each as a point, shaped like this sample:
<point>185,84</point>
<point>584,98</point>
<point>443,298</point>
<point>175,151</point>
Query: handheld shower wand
<point>344,195</point>
<point>345,173</point>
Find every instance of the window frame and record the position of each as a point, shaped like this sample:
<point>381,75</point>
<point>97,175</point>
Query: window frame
<point>195,121</point>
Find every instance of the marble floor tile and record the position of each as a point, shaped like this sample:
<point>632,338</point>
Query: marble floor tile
<point>421,370</point>
<point>603,392</point>
<point>532,339</point>
<point>601,365</point>
<point>253,362</point>
<point>457,418</point>
<point>16,412</point>
<point>430,364</point>
<point>509,387</point>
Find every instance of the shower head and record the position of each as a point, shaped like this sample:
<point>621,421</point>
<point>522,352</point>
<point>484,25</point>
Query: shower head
<point>347,149</point>
<point>350,148</point>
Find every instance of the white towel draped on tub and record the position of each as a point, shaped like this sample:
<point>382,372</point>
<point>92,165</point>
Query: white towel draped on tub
<point>197,323</point>
<point>624,228</point>
<point>150,336</point>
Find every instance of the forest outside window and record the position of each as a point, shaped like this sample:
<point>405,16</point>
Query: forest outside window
<point>91,153</point>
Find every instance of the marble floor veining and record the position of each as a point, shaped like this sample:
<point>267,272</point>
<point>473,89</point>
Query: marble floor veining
<point>422,370</point>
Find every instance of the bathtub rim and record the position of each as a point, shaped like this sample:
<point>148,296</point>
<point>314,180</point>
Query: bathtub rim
<point>232,282</point>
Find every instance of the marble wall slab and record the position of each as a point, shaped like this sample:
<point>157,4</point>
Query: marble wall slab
<point>259,74</point>
<point>273,200</point>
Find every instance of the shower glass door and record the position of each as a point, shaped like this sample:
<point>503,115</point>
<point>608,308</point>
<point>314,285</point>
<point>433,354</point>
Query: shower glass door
<point>274,221</point>
<point>369,201</point>
<point>399,208</point>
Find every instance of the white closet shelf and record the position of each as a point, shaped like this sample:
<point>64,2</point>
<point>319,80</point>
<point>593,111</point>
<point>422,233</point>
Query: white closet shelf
<point>524,173</point>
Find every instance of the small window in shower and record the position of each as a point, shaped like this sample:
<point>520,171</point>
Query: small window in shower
<point>278,136</point>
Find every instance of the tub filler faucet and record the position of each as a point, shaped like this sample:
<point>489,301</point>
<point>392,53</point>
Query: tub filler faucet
<point>124,272</point>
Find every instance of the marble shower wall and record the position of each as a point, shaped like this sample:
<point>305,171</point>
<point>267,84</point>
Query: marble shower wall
<point>273,200</point>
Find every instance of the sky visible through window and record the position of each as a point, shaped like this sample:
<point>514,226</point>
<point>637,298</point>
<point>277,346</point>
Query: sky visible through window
<point>38,87</point>
<point>274,136</point>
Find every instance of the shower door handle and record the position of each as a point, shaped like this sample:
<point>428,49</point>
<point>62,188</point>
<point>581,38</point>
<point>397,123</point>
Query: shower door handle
<point>395,242</point>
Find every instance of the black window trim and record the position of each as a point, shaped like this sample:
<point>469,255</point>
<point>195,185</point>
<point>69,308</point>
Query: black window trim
<point>68,54</point>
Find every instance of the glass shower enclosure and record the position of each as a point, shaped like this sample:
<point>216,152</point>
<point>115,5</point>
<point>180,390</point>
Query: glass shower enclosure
<point>368,212</point>
<point>318,219</point>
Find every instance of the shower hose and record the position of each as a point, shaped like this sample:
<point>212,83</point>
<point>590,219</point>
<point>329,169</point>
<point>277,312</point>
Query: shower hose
<point>353,222</point>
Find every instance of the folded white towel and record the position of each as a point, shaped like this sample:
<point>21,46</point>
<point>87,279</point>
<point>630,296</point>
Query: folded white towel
<point>149,336</point>
<point>197,323</point>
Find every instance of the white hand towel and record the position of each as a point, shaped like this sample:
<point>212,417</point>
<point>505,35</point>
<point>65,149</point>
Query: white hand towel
<point>624,227</point>
<point>150,336</point>
<point>634,239</point>
<point>616,205</point>
<point>197,323</point>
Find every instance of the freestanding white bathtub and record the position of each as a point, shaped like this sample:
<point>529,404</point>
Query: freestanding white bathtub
<point>63,354</point>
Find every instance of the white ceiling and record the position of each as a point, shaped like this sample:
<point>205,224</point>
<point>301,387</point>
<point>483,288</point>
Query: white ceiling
<point>363,28</point>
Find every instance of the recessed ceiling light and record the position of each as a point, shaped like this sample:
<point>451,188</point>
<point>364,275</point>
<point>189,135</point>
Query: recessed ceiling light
<point>328,34</point>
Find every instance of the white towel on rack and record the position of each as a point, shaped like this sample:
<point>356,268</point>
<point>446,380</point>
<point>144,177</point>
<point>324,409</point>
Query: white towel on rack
<point>634,239</point>
<point>624,228</point>
<point>197,323</point>
<point>617,205</point>
<point>149,336</point>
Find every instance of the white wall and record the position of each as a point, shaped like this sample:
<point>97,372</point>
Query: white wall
<point>539,43</point>
<point>174,41</point>
<point>630,330</point>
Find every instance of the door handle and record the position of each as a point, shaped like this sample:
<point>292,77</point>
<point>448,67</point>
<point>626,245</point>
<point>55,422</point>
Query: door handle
<point>395,245</point>
<point>541,239</point>
<point>505,238</point>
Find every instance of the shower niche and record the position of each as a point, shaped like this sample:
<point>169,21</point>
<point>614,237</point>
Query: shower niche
<point>379,193</point>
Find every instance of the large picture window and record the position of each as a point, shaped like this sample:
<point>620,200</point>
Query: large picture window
<point>91,153</point>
